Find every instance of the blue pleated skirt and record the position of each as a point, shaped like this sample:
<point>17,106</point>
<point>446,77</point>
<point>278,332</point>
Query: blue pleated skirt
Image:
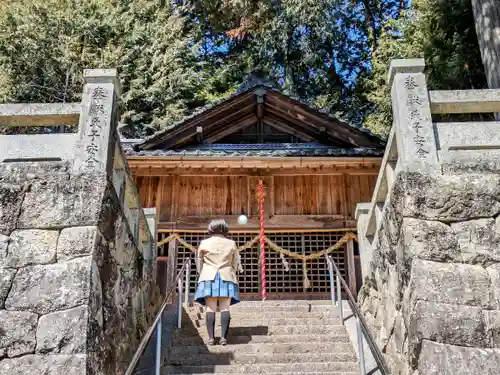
<point>217,288</point>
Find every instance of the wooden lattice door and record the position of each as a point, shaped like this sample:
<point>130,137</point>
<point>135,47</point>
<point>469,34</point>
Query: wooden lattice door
<point>284,276</point>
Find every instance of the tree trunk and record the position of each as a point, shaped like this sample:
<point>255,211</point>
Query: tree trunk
<point>487,19</point>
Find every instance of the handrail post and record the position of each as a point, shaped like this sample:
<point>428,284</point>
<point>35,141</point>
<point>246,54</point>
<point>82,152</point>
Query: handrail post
<point>179,303</point>
<point>158,347</point>
<point>330,272</point>
<point>361,351</point>
<point>362,330</point>
<point>188,276</point>
<point>158,323</point>
<point>339,296</point>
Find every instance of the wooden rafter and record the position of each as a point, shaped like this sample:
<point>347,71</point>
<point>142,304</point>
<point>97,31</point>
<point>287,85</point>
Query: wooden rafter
<point>335,127</point>
<point>294,117</point>
<point>287,115</point>
<point>203,117</point>
<point>245,122</point>
<point>316,132</point>
<point>281,126</point>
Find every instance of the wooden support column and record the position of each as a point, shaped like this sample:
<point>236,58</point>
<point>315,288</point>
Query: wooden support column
<point>174,203</point>
<point>351,268</point>
<point>171,267</point>
<point>249,198</point>
<point>345,207</point>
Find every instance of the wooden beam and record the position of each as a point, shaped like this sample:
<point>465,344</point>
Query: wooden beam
<point>249,197</point>
<point>336,140</point>
<point>271,195</point>
<point>214,127</point>
<point>274,222</point>
<point>193,122</point>
<point>297,171</point>
<point>345,208</point>
<point>334,127</point>
<point>181,137</point>
<point>199,134</point>
<point>351,268</point>
<point>248,121</point>
<point>260,111</point>
<point>175,194</point>
<point>288,129</point>
<point>253,162</point>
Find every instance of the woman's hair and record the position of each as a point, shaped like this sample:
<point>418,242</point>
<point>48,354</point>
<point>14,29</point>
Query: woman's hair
<point>218,226</point>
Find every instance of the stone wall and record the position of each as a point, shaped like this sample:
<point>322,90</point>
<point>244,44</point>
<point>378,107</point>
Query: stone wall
<point>430,239</point>
<point>432,296</point>
<point>76,293</point>
<point>77,264</point>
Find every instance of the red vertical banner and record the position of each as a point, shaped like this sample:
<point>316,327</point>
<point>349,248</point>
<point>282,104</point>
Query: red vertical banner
<point>260,189</point>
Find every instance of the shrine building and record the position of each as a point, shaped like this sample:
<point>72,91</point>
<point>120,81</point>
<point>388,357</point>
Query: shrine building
<point>313,167</point>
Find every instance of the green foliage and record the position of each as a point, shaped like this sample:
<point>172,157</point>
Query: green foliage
<point>44,47</point>
<point>441,32</point>
<point>175,56</point>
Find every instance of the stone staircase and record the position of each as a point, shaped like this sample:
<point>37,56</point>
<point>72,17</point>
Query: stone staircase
<point>271,337</point>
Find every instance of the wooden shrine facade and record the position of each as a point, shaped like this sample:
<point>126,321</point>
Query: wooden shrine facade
<point>314,168</point>
<point>313,193</point>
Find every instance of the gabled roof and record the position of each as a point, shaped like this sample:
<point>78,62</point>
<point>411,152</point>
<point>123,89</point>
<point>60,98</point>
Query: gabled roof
<point>254,105</point>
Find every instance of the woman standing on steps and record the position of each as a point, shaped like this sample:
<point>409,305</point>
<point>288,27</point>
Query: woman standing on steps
<point>217,262</point>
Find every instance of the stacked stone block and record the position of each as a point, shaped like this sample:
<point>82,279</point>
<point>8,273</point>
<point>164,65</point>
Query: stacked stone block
<point>77,259</point>
<point>432,295</point>
<point>76,290</point>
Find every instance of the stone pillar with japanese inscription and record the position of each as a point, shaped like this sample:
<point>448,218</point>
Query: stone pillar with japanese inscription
<point>431,291</point>
<point>412,117</point>
<point>97,126</point>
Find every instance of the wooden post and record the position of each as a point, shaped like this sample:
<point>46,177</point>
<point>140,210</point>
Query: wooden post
<point>351,268</point>
<point>171,266</point>
<point>260,189</point>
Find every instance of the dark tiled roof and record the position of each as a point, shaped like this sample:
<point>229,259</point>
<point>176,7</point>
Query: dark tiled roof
<point>270,150</point>
<point>247,87</point>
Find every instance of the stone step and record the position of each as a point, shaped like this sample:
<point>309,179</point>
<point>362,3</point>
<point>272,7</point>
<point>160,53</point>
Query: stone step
<point>277,309</point>
<point>279,373</point>
<point>265,348</point>
<point>270,314</point>
<point>247,339</point>
<point>266,368</point>
<point>301,329</point>
<point>246,322</point>
<point>284,302</point>
<point>229,358</point>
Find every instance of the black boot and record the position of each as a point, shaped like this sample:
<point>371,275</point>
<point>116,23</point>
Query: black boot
<point>210,323</point>
<point>225,320</point>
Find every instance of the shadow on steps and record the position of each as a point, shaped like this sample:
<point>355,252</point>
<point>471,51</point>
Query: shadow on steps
<point>193,334</point>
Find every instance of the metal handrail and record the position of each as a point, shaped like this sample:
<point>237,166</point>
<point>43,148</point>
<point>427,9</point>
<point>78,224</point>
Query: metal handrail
<point>361,326</point>
<point>157,323</point>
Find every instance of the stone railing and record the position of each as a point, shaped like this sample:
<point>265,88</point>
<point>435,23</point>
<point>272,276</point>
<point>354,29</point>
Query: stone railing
<point>94,146</point>
<point>39,147</point>
<point>429,238</point>
<point>142,222</point>
<point>77,251</point>
<point>417,144</point>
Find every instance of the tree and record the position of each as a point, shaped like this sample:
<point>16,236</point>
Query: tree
<point>313,49</point>
<point>442,33</point>
<point>174,57</point>
<point>44,47</point>
<point>487,21</point>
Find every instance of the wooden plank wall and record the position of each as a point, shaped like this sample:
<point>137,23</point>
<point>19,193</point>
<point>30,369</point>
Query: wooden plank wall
<point>178,197</point>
